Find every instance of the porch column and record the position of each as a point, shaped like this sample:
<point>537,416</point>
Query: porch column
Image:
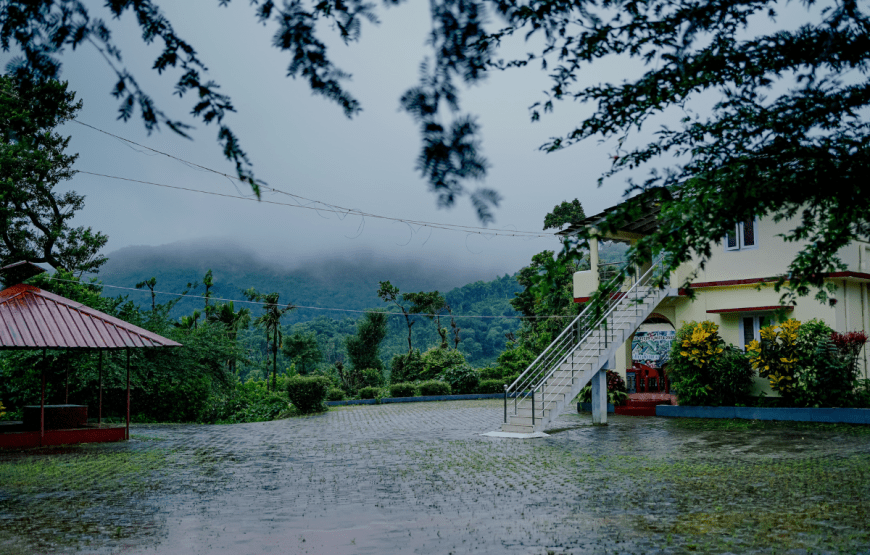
<point>593,254</point>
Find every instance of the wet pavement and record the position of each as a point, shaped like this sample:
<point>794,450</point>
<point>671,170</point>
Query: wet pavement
<point>419,478</point>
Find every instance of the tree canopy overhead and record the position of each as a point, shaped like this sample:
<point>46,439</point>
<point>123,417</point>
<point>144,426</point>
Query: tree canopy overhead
<point>786,136</point>
<point>35,220</point>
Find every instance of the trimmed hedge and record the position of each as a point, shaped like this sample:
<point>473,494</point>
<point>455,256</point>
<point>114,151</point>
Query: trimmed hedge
<point>403,390</point>
<point>335,394</point>
<point>308,393</point>
<point>369,392</point>
<point>434,387</point>
<point>491,386</point>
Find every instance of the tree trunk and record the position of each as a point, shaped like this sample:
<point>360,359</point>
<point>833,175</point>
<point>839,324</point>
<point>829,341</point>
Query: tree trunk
<point>275,361</point>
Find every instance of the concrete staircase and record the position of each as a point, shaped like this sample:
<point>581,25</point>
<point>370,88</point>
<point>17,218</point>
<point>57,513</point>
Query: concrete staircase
<point>574,359</point>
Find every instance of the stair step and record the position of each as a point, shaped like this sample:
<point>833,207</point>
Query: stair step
<point>527,413</point>
<point>517,429</point>
<point>523,420</point>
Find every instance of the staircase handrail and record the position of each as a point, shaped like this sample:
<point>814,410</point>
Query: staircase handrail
<point>570,327</point>
<point>528,386</point>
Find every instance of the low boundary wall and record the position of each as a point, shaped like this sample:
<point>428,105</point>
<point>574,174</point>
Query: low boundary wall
<point>422,399</point>
<point>839,416</point>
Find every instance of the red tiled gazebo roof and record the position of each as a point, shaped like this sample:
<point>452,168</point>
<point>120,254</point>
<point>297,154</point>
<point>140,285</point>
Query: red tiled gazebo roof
<point>31,318</point>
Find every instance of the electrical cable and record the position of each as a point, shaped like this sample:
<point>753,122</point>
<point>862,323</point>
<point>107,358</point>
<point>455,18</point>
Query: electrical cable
<point>331,207</point>
<point>139,290</point>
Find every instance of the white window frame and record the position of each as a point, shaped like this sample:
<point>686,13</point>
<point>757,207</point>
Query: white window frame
<point>739,244</point>
<point>756,325</point>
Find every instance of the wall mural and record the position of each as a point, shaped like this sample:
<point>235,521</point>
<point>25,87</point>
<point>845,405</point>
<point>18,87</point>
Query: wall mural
<point>652,347</point>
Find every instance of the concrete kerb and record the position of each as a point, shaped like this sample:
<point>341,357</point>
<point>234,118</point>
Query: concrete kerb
<point>422,399</point>
<point>833,416</point>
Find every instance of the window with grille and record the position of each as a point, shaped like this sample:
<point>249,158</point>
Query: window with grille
<point>745,236</point>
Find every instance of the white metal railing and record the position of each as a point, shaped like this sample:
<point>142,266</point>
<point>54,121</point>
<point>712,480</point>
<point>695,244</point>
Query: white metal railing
<point>600,314</point>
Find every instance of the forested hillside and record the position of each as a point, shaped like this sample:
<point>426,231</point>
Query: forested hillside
<point>482,316</point>
<point>332,281</point>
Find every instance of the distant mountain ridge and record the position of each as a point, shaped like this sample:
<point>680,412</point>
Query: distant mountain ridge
<point>339,281</point>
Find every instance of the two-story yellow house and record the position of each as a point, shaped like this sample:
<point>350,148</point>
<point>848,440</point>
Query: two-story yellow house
<point>735,288</point>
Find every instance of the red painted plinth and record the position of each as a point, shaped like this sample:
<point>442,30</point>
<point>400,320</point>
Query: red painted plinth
<point>17,440</point>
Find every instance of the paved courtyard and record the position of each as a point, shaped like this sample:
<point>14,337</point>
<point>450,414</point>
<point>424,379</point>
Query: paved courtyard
<point>419,478</point>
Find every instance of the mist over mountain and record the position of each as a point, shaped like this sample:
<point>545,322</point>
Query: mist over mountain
<point>337,280</point>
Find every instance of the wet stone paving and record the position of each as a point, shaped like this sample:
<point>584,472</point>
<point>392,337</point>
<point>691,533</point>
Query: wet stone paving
<point>419,478</point>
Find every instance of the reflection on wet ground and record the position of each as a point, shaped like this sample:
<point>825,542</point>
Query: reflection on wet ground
<point>418,478</point>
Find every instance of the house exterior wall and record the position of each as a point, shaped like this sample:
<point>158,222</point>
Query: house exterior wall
<point>734,280</point>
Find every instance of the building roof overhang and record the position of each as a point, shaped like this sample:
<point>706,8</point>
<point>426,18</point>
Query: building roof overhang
<point>643,221</point>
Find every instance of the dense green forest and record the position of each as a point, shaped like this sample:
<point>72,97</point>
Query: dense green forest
<point>337,283</point>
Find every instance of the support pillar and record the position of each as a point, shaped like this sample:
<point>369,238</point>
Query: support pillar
<point>100,406</point>
<point>128,395</point>
<point>42,410</point>
<point>66,395</point>
<point>593,255</point>
<point>599,397</point>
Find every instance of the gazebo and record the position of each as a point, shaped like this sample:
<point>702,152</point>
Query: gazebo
<point>33,319</point>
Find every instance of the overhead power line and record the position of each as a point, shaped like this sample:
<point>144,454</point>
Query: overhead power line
<point>323,206</point>
<point>448,227</point>
<point>246,301</point>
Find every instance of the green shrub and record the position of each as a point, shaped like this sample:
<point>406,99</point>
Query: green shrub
<point>334,394</point>
<point>491,386</point>
<point>372,377</point>
<point>491,373</point>
<point>406,367</point>
<point>691,360</point>
<point>436,360</point>
<point>463,379</point>
<point>250,401</point>
<point>308,393</point>
<point>369,392</point>
<point>731,378</point>
<point>403,390</point>
<point>181,399</point>
<point>434,387</point>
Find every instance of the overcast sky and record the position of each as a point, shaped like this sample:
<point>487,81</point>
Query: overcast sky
<point>304,144</point>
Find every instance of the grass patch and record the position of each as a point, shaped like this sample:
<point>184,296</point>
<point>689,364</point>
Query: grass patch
<point>80,471</point>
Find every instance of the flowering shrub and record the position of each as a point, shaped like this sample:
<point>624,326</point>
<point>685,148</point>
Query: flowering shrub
<point>776,355</point>
<point>849,344</point>
<point>701,344</point>
<point>704,371</point>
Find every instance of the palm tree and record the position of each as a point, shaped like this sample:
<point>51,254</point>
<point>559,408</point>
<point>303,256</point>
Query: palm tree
<point>225,314</point>
<point>270,321</point>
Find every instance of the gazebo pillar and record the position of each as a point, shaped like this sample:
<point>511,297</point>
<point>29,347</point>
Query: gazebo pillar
<point>128,394</point>
<point>66,395</point>
<point>42,410</point>
<point>100,406</point>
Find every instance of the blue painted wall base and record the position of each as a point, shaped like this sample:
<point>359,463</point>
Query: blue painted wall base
<point>839,416</point>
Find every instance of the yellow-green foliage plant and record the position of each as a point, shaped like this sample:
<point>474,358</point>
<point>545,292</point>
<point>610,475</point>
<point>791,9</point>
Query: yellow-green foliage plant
<point>693,354</point>
<point>775,357</point>
<point>702,344</point>
<point>2,410</point>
